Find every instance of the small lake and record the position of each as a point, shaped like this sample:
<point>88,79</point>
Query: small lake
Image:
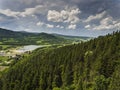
<point>28,48</point>
<point>21,50</point>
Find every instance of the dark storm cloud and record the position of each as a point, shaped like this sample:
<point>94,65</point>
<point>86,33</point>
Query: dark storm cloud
<point>97,6</point>
<point>86,6</point>
<point>22,4</point>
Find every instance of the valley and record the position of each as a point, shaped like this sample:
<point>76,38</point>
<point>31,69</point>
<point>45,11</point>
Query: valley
<point>58,62</point>
<point>91,65</point>
<point>18,44</point>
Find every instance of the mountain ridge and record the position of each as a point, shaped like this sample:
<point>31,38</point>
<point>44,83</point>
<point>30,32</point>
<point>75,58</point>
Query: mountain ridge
<point>43,33</point>
<point>16,37</point>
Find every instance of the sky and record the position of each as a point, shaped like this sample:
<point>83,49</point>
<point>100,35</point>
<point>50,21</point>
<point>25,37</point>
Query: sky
<point>67,17</point>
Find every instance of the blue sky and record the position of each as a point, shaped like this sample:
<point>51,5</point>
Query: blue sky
<point>68,17</point>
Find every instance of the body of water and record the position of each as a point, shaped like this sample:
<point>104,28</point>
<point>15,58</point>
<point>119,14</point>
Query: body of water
<point>28,48</point>
<point>21,50</point>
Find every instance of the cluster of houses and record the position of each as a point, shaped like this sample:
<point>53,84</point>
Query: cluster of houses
<point>13,54</point>
<point>9,54</point>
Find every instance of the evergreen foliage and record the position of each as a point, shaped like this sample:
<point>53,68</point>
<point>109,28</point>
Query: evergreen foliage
<point>92,65</point>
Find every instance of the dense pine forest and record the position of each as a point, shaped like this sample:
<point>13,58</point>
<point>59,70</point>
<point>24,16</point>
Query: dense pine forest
<point>92,65</point>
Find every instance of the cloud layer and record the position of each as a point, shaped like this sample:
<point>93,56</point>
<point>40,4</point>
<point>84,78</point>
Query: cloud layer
<point>60,14</point>
<point>64,16</point>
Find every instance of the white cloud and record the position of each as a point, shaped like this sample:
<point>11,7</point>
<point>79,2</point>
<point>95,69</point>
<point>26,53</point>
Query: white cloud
<point>36,10</point>
<point>69,16</point>
<point>9,13</point>
<point>102,27</point>
<point>58,26</point>
<point>40,23</point>
<point>97,16</point>
<point>54,16</point>
<point>40,9</point>
<point>50,26</point>
<point>107,23</point>
<point>87,26</point>
<point>71,26</point>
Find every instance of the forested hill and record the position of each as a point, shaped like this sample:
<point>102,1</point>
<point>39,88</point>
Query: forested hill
<point>25,38</point>
<point>92,65</point>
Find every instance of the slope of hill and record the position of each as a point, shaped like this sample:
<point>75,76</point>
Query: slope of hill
<point>92,65</point>
<point>18,38</point>
<point>83,38</point>
<point>11,37</point>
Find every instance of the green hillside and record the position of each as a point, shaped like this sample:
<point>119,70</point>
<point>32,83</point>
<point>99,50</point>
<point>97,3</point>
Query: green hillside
<point>21,38</point>
<point>92,65</point>
<point>8,37</point>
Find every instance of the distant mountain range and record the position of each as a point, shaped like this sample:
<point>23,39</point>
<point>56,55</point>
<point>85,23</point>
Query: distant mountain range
<point>26,38</point>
